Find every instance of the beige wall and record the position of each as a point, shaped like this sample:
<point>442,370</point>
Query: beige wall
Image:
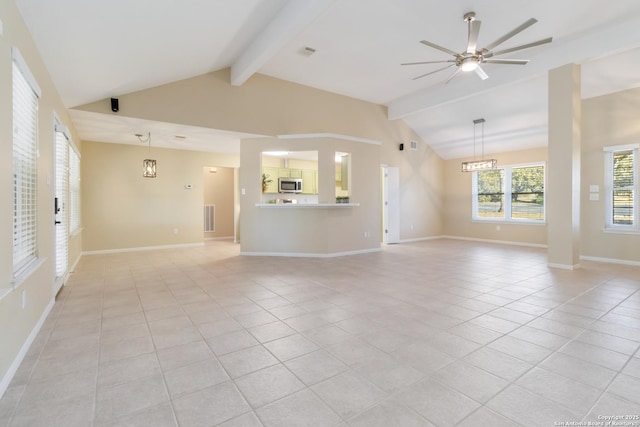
<point>312,230</point>
<point>606,121</point>
<point>458,204</point>
<point>16,322</point>
<point>123,210</point>
<point>268,106</point>
<point>219,191</point>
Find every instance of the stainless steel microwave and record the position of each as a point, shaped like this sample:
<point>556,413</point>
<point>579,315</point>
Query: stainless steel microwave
<point>289,185</point>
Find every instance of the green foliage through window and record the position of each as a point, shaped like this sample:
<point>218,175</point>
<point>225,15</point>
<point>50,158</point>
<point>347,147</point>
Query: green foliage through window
<point>623,191</point>
<point>527,193</point>
<point>490,194</point>
<point>524,186</point>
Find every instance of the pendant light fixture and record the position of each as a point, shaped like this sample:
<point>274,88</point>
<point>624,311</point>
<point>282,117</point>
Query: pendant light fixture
<point>477,165</point>
<point>148,165</point>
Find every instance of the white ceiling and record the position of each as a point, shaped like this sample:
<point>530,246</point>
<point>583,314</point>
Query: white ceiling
<point>119,129</point>
<point>100,49</point>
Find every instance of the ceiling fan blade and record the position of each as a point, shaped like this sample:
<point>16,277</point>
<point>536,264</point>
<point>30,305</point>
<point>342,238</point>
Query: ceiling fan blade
<point>480,72</point>
<point>432,72</point>
<point>511,33</point>
<point>523,46</point>
<point>474,30</point>
<point>507,61</point>
<point>443,49</point>
<point>428,62</point>
<point>455,73</point>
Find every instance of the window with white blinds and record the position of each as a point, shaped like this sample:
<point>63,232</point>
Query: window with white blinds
<point>621,188</point>
<point>61,203</point>
<point>25,153</point>
<point>74,190</point>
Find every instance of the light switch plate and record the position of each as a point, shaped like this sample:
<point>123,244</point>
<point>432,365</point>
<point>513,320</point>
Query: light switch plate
<point>594,188</point>
<point>594,196</point>
<point>0,27</point>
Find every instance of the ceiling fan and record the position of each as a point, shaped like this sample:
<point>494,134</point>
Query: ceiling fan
<point>472,57</point>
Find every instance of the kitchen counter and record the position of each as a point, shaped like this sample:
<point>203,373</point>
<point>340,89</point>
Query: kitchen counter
<point>305,205</point>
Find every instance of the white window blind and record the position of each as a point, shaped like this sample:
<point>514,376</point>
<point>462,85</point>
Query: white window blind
<point>74,190</point>
<point>61,192</point>
<point>25,149</point>
<point>621,187</point>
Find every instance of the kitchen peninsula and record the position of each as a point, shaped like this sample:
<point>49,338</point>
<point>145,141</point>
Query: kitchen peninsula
<point>316,225</point>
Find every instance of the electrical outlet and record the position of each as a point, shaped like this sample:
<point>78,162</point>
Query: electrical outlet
<point>175,231</point>
<point>497,228</point>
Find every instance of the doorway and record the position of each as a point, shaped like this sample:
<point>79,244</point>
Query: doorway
<point>219,202</point>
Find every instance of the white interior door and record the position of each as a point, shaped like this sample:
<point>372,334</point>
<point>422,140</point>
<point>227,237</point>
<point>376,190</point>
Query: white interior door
<point>60,204</point>
<point>391,205</point>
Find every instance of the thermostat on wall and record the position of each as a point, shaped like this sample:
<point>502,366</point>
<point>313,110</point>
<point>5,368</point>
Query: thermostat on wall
<point>188,186</point>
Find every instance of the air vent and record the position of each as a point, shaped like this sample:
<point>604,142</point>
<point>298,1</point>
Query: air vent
<point>307,51</point>
<point>209,218</point>
<point>414,145</point>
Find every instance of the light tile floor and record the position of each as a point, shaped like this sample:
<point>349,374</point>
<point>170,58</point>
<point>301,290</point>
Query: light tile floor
<point>433,333</point>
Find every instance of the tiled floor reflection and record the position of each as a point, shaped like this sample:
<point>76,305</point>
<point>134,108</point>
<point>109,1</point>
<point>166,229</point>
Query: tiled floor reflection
<point>435,333</point>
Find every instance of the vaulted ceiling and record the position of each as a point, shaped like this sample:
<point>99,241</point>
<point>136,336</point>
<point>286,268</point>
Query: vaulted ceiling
<point>100,49</point>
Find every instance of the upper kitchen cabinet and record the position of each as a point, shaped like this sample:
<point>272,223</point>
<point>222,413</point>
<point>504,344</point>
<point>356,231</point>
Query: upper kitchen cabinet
<point>302,165</point>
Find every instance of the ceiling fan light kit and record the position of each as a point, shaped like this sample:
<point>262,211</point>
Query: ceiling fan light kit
<point>471,58</point>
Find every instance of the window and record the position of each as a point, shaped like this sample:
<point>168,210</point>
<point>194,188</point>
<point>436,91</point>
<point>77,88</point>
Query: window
<point>74,190</point>
<point>524,185</point>
<point>489,198</point>
<point>621,188</point>
<point>25,149</point>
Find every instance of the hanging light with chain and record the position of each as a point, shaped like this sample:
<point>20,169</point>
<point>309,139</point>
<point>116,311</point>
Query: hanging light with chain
<point>148,165</point>
<point>483,164</point>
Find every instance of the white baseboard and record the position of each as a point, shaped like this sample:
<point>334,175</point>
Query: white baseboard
<point>502,242</point>
<point>142,248</point>
<point>420,239</point>
<point>219,238</point>
<point>564,266</point>
<point>311,255</point>
<point>75,264</point>
<point>610,260</point>
<point>8,376</point>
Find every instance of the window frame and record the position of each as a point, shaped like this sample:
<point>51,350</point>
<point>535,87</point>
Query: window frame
<point>609,226</point>
<point>508,191</point>
<point>25,258</point>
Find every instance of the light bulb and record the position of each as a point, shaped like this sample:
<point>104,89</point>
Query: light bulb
<point>469,64</point>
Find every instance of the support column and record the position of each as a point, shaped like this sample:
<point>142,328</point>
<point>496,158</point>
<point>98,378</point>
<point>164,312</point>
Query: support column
<point>563,171</point>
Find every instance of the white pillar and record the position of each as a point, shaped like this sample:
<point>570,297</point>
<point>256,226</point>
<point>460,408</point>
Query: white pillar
<point>563,171</point>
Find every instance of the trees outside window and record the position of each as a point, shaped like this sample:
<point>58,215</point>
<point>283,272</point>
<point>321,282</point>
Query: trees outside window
<point>524,186</point>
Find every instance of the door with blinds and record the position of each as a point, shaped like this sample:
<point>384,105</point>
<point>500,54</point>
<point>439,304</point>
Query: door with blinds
<point>60,204</point>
